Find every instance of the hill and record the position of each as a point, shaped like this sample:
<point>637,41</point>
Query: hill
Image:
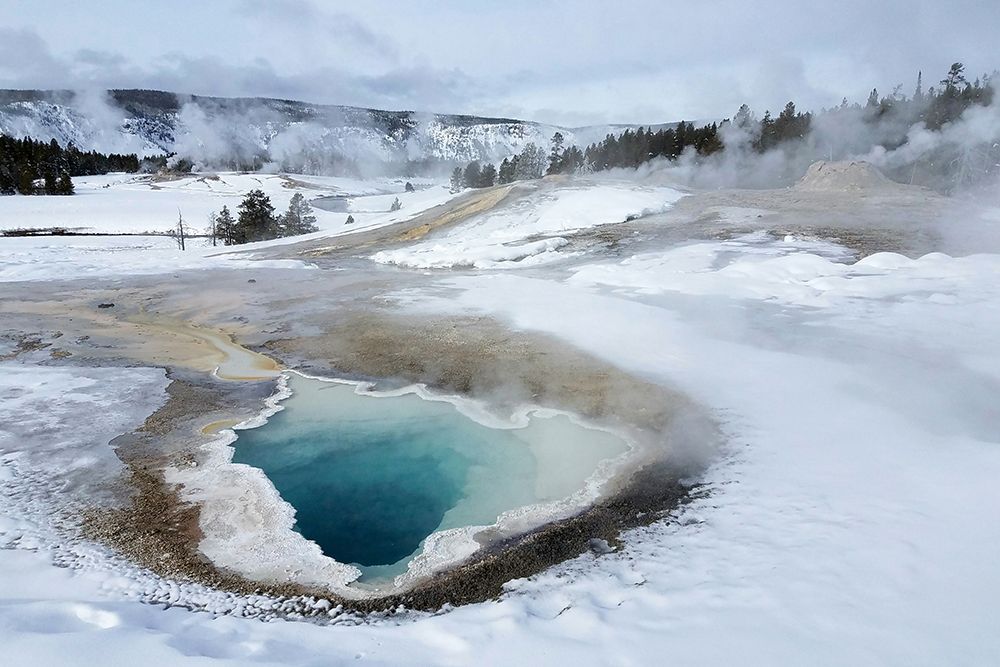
<point>251,133</point>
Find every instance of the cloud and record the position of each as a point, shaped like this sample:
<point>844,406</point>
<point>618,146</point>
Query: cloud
<point>313,31</point>
<point>574,62</point>
<point>407,87</point>
<point>25,58</point>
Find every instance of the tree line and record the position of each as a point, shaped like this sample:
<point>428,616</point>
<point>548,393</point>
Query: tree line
<point>256,220</point>
<point>629,149</point>
<point>890,118</point>
<point>30,167</point>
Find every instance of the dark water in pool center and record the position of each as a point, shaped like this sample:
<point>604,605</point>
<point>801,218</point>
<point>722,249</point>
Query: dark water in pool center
<point>371,477</point>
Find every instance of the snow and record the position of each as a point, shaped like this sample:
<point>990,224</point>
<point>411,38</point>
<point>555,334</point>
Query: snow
<point>129,204</point>
<point>72,257</point>
<point>852,520</point>
<point>502,238</point>
<point>213,133</point>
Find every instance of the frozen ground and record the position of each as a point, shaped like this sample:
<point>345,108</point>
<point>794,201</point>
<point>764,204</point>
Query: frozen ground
<point>527,232</point>
<point>130,204</point>
<point>73,257</point>
<point>851,521</point>
<point>135,204</point>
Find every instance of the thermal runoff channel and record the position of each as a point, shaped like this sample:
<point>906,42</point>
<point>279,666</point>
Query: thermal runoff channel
<point>371,477</point>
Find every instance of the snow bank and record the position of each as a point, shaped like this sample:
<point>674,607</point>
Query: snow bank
<point>504,237</point>
<point>792,271</point>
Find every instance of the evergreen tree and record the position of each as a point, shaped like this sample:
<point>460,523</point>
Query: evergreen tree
<point>396,205</point>
<point>744,117</point>
<point>872,102</point>
<point>556,154</point>
<point>224,226</point>
<point>64,186</point>
<point>350,219</point>
<point>50,182</point>
<point>471,175</point>
<point>506,172</point>
<point>488,176</point>
<point>299,218</point>
<point>955,79</point>
<point>25,161</point>
<point>26,180</point>
<point>530,163</point>
<point>408,187</point>
<point>256,218</point>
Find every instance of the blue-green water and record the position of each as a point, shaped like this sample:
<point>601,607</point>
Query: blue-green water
<point>371,477</point>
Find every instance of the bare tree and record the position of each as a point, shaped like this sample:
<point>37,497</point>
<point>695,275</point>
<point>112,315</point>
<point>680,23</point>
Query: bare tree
<point>180,232</point>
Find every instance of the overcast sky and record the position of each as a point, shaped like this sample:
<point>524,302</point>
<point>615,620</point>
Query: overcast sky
<point>566,62</point>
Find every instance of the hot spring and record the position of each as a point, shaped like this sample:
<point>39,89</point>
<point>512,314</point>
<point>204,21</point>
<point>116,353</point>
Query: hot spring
<point>372,476</point>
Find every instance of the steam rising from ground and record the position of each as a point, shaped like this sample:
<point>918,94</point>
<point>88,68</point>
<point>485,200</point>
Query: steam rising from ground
<point>963,153</point>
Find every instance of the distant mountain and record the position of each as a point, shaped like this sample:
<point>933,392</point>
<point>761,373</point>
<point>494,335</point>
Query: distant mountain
<point>248,133</point>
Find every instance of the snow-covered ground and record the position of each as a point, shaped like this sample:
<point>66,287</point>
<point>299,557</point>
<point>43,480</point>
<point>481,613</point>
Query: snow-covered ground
<point>852,520</point>
<point>73,257</point>
<point>499,239</point>
<point>135,204</point>
<point>130,204</point>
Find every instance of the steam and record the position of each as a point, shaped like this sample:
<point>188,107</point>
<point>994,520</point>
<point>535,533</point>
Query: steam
<point>961,154</point>
<point>260,135</point>
<point>87,118</point>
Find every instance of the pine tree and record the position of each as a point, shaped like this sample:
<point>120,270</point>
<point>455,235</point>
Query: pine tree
<point>50,182</point>
<point>256,219</point>
<point>872,102</point>
<point>396,205</point>
<point>530,163</point>
<point>224,227</point>
<point>470,177</point>
<point>556,154</point>
<point>350,219</point>
<point>506,172</point>
<point>408,187</point>
<point>26,180</point>
<point>488,176</point>
<point>299,218</point>
<point>954,79</point>
<point>64,186</point>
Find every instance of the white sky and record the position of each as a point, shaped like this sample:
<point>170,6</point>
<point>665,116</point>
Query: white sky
<point>566,62</point>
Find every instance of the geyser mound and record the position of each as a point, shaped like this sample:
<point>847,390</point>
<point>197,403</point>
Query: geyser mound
<point>853,175</point>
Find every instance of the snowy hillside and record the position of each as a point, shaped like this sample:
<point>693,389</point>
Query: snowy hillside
<point>250,133</point>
